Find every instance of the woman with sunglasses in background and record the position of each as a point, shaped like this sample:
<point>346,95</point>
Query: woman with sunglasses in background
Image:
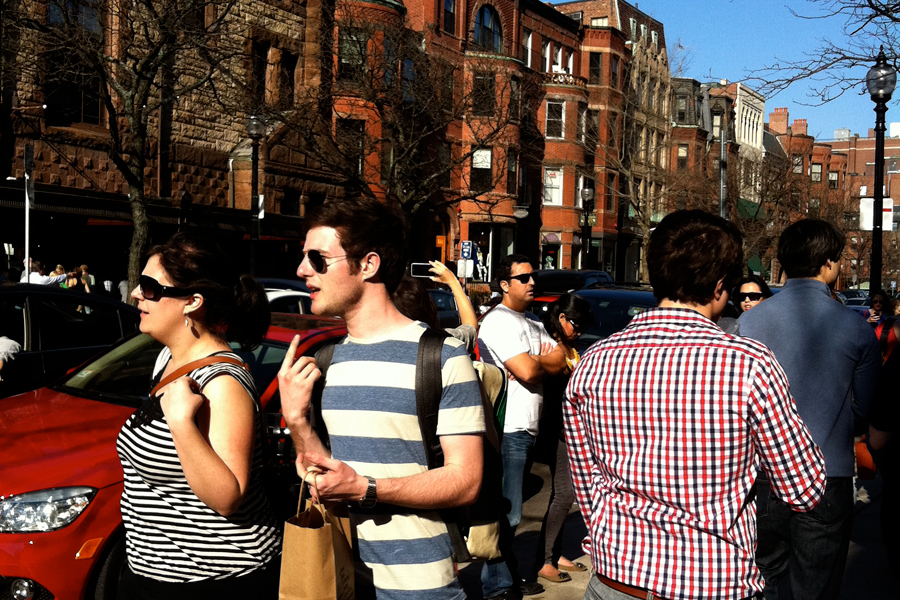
<point>750,291</point>
<point>565,320</point>
<point>197,520</point>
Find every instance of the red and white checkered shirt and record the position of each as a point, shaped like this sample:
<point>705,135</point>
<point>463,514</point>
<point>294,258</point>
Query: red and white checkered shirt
<point>667,424</point>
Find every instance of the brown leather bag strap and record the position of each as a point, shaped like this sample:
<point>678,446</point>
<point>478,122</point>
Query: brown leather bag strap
<point>196,364</point>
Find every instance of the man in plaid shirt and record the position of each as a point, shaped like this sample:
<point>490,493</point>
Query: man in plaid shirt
<point>668,423</point>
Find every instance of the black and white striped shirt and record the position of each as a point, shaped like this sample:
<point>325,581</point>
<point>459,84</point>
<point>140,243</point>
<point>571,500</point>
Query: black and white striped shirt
<point>171,535</point>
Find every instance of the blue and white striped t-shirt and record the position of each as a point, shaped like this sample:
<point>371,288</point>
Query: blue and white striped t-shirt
<point>369,408</point>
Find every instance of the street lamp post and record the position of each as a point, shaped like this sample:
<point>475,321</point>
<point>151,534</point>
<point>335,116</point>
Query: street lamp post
<point>880,81</point>
<point>587,197</point>
<point>256,129</point>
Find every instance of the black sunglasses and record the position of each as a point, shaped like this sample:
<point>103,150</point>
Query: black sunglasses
<point>523,278</point>
<point>751,296</point>
<point>318,261</point>
<point>153,290</point>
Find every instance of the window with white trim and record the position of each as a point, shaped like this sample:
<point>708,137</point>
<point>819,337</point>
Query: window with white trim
<point>482,178</point>
<point>553,186</point>
<point>556,120</point>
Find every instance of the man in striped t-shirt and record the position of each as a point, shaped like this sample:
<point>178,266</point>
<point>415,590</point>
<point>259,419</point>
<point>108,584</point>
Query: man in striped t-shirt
<point>354,257</point>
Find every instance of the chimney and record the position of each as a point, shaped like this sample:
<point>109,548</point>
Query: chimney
<point>799,127</point>
<point>778,121</point>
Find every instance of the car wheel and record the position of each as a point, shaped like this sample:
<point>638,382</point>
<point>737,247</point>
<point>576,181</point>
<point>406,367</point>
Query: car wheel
<point>107,585</point>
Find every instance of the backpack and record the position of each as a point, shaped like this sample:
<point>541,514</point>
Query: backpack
<point>474,530</point>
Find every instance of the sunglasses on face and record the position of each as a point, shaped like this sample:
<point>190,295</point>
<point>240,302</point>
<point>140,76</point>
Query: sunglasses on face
<point>153,290</point>
<point>575,328</point>
<point>876,301</point>
<point>523,278</point>
<point>751,296</point>
<point>317,261</point>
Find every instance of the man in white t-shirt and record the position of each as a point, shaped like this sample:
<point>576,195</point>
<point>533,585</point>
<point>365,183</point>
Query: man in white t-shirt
<point>515,341</point>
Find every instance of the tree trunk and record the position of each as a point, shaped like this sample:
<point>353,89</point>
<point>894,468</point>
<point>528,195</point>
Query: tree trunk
<point>140,241</point>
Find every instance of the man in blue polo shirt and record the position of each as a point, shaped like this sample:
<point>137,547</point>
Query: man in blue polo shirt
<point>831,358</point>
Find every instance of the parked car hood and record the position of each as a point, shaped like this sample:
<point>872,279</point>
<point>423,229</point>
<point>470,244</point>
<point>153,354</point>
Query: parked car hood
<point>52,439</point>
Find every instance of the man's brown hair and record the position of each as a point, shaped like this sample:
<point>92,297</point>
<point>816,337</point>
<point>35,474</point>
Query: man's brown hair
<point>690,251</point>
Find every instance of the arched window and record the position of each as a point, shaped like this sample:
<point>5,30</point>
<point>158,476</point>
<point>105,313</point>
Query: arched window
<point>487,29</point>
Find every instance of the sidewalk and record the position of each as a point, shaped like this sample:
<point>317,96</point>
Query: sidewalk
<point>867,576</point>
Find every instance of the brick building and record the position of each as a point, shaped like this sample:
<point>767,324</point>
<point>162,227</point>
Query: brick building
<point>197,156</point>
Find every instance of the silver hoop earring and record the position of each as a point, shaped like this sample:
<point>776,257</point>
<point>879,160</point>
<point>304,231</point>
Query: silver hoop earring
<point>187,322</point>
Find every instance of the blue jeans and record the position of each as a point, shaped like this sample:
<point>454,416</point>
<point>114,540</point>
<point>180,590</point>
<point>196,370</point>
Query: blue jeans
<point>810,547</point>
<point>496,576</point>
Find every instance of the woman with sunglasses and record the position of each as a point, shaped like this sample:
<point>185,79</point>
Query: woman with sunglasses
<point>565,320</point>
<point>750,291</point>
<point>880,308</point>
<point>197,521</point>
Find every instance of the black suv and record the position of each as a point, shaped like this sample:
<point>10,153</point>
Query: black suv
<point>559,281</point>
<point>57,330</point>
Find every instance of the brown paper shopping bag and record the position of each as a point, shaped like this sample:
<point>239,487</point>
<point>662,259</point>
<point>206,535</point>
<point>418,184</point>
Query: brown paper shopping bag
<point>317,556</point>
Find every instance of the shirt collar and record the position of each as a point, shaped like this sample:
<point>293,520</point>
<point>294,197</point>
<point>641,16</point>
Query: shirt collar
<point>811,284</point>
<point>673,316</point>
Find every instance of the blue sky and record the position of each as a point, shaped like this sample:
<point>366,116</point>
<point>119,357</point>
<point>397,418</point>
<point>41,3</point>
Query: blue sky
<point>729,38</point>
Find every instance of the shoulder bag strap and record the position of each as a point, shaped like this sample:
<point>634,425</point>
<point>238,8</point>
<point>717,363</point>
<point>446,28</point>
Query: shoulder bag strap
<point>196,364</point>
<point>429,387</point>
<point>323,360</point>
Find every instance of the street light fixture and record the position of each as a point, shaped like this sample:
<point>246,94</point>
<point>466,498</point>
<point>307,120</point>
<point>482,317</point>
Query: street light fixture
<point>880,81</point>
<point>256,129</point>
<point>587,197</point>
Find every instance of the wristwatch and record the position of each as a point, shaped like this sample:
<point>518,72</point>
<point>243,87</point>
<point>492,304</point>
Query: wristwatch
<point>370,498</point>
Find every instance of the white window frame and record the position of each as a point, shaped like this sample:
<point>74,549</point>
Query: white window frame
<point>570,63</point>
<point>579,185</point>
<point>553,194</point>
<point>528,38</point>
<point>547,121</point>
<point>599,21</point>
<point>557,58</point>
<point>546,56</point>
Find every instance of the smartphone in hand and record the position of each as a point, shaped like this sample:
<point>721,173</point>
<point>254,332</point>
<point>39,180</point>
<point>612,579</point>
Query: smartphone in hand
<point>421,270</point>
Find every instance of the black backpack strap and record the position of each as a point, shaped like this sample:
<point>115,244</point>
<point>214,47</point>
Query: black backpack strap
<point>429,387</point>
<point>323,361</point>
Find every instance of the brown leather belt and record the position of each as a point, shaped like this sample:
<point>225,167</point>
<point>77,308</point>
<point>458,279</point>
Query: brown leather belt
<point>627,589</point>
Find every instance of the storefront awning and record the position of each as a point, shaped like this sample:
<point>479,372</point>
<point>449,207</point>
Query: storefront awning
<point>551,238</point>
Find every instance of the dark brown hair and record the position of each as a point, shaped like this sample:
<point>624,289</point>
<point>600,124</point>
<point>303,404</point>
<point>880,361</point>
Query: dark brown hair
<point>690,251</point>
<point>805,247</point>
<point>414,302</point>
<point>235,305</point>
<point>366,225</point>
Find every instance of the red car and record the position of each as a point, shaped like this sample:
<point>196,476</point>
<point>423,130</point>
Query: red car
<point>61,533</point>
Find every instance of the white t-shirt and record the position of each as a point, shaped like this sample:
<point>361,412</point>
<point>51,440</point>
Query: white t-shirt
<point>505,333</point>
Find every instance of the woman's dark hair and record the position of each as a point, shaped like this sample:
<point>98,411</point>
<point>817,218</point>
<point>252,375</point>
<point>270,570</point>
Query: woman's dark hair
<point>805,247</point>
<point>887,305</point>
<point>754,279</point>
<point>689,252</point>
<point>366,225</point>
<point>234,305</point>
<point>414,302</point>
<point>576,309</point>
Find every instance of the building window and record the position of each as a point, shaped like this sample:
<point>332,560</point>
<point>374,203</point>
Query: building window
<point>290,203</point>
<point>526,48</point>
<point>592,133</point>
<point>633,23</point>
<point>815,174</point>
<point>482,179</point>
<point>444,157</point>
<point>814,205</point>
<point>654,39</point>
<point>487,29</point>
<point>614,75</point>
<point>72,92</point>
<point>582,122</point>
<point>651,92</point>
<point>557,59</point>
<point>717,125</point>
<point>350,138</point>
<point>485,93</point>
<point>556,120</point>
<point>610,193</point>
<point>351,54</point>
<point>450,16</point>
<point>595,68</point>
<point>545,56</point>
<point>644,32</point>
<point>681,109</point>
<point>515,99</point>
<point>512,160</point>
<point>570,61</point>
<point>582,182</point>
<point>599,21</point>
<point>682,162</point>
<point>833,180</point>
<point>447,87</point>
<point>553,184</point>
<point>797,162</point>
<point>287,80</point>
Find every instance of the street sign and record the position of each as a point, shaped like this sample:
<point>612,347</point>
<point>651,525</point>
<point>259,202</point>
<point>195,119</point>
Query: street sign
<point>865,214</point>
<point>466,250</point>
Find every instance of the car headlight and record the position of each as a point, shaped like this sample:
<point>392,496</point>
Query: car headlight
<point>44,510</point>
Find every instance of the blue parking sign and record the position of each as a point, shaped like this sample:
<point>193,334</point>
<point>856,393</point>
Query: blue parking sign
<point>466,251</point>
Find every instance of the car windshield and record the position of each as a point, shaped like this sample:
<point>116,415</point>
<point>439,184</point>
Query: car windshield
<point>123,375</point>
<point>443,302</point>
